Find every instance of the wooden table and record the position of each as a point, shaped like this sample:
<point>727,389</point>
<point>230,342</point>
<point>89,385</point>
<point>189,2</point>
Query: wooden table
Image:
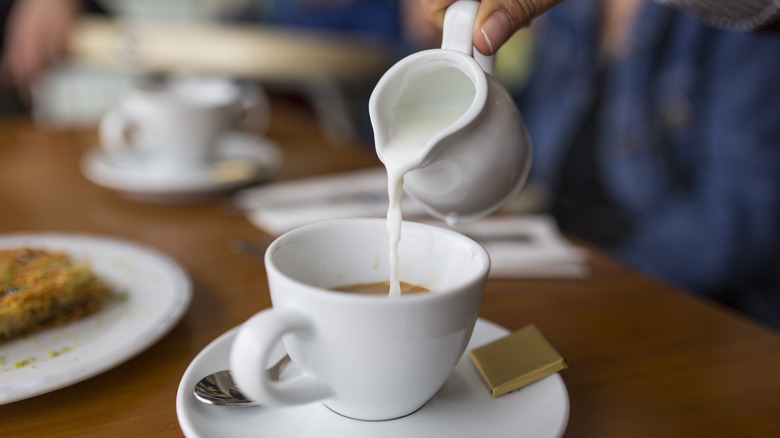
<point>644,359</point>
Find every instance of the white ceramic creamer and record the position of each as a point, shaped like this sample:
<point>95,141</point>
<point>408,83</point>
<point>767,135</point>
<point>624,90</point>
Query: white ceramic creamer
<point>447,131</point>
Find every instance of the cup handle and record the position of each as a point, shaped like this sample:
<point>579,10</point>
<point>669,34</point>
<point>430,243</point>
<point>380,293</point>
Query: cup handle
<point>114,129</point>
<point>457,35</point>
<point>252,350</point>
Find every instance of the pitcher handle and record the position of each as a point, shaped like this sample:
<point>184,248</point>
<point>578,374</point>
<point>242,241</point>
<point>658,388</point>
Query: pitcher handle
<point>457,35</point>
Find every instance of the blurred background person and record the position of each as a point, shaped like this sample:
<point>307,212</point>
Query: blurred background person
<point>36,34</point>
<point>658,137</point>
<point>33,37</point>
<point>498,20</point>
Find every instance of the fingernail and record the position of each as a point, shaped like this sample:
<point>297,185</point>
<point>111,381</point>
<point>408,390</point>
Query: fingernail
<point>496,30</point>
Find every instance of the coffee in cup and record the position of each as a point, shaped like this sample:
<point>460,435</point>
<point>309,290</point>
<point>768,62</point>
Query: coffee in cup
<point>381,288</point>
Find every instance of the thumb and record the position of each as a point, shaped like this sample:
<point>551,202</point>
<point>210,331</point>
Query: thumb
<point>497,20</point>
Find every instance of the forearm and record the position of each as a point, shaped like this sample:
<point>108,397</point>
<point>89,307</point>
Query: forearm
<point>733,14</point>
<point>35,36</point>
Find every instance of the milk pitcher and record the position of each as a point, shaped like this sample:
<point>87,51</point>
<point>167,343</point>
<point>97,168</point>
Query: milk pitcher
<point>451,127</point>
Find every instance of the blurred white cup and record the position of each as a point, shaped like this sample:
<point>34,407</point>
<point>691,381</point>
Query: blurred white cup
<point>175,125</point>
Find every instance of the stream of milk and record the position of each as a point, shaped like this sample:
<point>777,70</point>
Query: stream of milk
<point>403,153</point>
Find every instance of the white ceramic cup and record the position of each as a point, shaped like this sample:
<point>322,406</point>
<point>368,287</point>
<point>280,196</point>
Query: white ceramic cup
<point>173,125</point>
<point>368,357</point>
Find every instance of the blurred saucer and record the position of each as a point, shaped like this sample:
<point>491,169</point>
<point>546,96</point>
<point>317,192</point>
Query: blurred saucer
<point>241,158</point>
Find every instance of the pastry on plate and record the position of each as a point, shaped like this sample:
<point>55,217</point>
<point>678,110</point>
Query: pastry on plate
<point>41,289</point>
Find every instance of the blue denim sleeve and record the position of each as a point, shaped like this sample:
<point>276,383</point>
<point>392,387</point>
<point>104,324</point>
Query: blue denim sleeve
<point>725,230</point>
<point>729,14</point>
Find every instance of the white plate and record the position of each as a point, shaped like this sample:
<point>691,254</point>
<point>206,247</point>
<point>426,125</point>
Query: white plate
<point>242,158</point>
<point>462,408</point>
<point>157,290</point>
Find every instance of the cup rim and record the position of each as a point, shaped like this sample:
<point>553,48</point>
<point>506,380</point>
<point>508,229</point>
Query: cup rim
<point>381,299</point>
<point>166,96</point>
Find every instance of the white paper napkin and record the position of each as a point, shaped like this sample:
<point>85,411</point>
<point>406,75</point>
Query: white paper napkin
<point>278,208</point>
<point>526,246</point>
<point>520,245</point>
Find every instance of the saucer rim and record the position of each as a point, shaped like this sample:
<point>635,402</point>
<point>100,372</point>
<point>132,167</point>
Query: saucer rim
<point>184,396</point>
<point>97,167</point>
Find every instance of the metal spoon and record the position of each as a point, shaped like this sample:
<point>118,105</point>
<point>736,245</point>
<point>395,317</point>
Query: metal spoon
<point>219,389</point>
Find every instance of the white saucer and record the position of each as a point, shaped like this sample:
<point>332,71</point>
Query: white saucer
<point>462,408</point>
<point>242,158</point>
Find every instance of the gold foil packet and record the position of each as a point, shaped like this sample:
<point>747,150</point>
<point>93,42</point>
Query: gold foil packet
<point>516,360</point>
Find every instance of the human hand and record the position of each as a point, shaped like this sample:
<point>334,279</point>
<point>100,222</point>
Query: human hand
<point>36,38</point>
<point>496,20</point>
